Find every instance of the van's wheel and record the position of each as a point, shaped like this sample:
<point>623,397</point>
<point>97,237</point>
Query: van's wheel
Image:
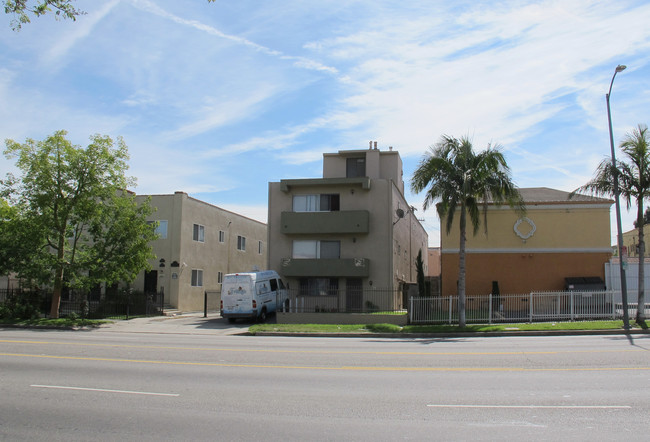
<point>231,320</point>
<point>262,316</point>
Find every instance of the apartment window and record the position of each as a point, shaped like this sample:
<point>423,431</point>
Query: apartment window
<point>161,228</point>
<point>259,247</point>
<point>309,249</point>
<point>198,233</point>
<point>197,278</point>
<point>319,286</point>
<point>219,277</point>
<point>329,202</point>
<point>355,167</point>
<point>241,243</point>
<point>222,236</point>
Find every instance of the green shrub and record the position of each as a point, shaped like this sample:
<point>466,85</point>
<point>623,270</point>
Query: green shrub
<point>5,312</point>
<point>20,307</point>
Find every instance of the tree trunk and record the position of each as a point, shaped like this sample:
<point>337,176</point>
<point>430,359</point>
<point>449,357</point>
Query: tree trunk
<point>640,310</point>
<point>462,322</point>
<point>58,279</point>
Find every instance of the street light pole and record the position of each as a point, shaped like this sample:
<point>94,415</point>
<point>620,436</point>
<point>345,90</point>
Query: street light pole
<point>626,317</point>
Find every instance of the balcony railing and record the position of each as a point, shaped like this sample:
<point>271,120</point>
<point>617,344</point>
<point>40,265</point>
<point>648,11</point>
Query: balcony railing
<point>345,268</point>
<point>337,222</point>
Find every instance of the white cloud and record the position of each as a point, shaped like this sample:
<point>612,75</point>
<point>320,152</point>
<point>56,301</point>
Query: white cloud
<point>194,86</point>
<point>76,33</point>
<point>259,213</point>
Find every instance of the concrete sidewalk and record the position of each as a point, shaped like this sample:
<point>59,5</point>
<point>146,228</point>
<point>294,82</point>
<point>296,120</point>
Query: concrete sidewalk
<point>187,323</point>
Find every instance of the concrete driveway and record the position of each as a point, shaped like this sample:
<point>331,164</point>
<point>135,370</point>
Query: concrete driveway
<point>188,323</point>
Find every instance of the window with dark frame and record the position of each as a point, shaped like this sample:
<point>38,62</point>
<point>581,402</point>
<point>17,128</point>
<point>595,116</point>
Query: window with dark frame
<point>329,202</point>
<point>319,286</point>
<point>313,249</point>
<point>198,233</point>
<point>197,278</point>
<point>355,167</point>
<point>161,228</point>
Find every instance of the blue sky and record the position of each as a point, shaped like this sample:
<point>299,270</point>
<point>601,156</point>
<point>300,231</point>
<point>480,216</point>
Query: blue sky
<point>217,99</point>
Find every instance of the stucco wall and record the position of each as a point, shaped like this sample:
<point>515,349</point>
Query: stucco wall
<point>520,272</point>
<point>568,227</point>
<point>211,256</point>
<point>372,245</point>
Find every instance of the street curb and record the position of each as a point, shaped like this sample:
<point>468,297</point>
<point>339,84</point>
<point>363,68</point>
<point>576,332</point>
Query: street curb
<point>457,334</point>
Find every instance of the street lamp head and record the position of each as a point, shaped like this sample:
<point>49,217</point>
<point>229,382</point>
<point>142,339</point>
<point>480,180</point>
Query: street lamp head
<point>620,67</point>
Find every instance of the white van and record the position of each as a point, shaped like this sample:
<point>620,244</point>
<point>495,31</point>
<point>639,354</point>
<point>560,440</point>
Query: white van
<point>252,295</point>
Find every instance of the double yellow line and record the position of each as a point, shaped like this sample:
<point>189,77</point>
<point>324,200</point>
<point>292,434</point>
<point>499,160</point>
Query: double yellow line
<point>306,367</point>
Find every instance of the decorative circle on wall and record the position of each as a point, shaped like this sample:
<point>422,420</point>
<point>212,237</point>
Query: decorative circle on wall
<point>530,233</point>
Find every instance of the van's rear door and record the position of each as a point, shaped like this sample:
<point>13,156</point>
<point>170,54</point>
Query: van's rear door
<point>236,294</point>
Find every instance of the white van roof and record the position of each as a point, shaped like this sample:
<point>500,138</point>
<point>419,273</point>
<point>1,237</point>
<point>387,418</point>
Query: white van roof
<point>257,275</point>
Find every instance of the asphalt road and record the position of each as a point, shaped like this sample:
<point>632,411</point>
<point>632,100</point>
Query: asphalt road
<point>116,384</point>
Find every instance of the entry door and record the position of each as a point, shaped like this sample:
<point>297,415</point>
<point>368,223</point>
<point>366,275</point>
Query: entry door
<point>354,295</point>
<point>151,282</point>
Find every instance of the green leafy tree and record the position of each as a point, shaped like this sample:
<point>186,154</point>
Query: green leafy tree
<point>462,182</point>
<point>634,184</point>
<point>85,226</point>
<point>18,242</point>
<point>21,9</point>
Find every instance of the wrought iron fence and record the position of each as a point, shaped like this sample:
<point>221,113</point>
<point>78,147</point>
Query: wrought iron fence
<point>118,305</point>
<point>531,307</point>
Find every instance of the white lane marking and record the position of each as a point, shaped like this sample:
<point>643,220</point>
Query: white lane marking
<point>60,387</point>
<point>560,407</point>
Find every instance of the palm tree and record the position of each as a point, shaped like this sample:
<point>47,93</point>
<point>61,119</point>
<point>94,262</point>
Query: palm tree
<point>633,183</point>
<point>464,182</point>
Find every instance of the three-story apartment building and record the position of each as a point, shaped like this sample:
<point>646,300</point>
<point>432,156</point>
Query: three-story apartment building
<point>348,233</point>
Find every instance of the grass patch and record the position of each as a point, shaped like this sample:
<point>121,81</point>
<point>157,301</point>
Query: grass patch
<point>307,328</point>
<point>57,323</point>
<point>472,328</point>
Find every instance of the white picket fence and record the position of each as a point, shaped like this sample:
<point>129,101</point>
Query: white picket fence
<point>531,307</point>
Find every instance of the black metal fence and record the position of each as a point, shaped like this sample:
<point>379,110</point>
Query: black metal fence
<point>334,300</point>
<point>122,304</point>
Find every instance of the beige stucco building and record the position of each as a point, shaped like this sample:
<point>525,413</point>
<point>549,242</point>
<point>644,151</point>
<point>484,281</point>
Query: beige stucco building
<point>198,244</point>
<point>631,242</point>
<point>558,238</point>
<point>346,233</point>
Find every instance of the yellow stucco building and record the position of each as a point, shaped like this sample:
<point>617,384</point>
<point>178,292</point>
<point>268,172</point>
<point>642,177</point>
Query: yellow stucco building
<point>631,241</point>
<point>558,238</point>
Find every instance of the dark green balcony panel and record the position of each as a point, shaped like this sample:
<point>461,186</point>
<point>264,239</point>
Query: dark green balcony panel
<point>345,268</point>
<point>348,221</point>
